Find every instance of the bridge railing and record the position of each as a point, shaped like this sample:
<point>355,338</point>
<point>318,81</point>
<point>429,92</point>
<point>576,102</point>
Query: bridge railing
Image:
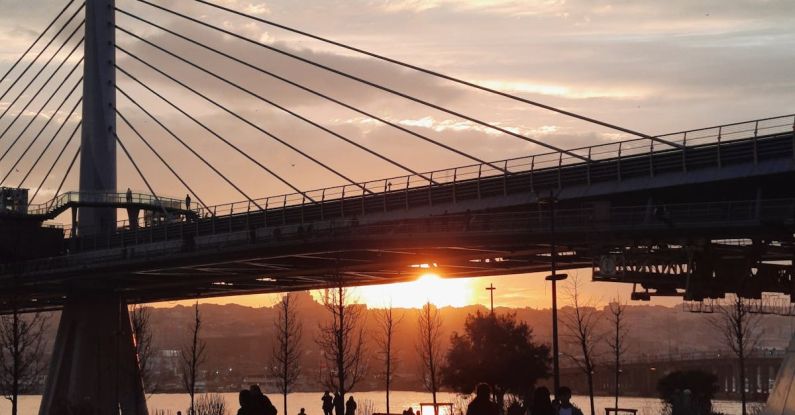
<point>104,198</point>
<point>619,150</point>
<point>549,161</point>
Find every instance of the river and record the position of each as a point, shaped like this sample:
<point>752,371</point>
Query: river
<point>399,400</point>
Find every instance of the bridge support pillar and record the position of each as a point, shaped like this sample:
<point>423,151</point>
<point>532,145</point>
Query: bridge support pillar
<point>94,366</point>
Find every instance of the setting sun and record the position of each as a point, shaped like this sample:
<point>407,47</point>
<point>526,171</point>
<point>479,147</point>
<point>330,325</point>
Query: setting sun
<point>439,291</point>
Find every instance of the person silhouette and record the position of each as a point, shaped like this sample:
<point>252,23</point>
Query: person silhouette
<point>129,195</point>
<point>350,406</point>
<point>482,404</point>
<point>542,404</point>
<point>339,405</point>
<point>245,403</point>
<point>328,403</point>
<point>261,404</point>
<point>187,202</point>
<point>302,412</point>
<point>565,406</point>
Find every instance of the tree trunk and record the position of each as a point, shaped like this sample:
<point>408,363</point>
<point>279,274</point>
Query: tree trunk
<point>16,362</point>
<point>742,383</point>
<point>388,375</point>
<point>341,345</point>
<point>590,391</point>
<point>618,366</point>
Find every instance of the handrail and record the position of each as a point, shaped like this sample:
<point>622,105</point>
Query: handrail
<point>485,169</point>
<point>64,199</point>
<point>530,163</point>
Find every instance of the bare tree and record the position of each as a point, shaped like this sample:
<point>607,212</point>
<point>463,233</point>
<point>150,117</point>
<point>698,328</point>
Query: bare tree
<point>142,330</point>
<point>342,340</point>
<point>582,324</point>
<point>617,339</point>
<point>387,324</point>
<point>739,326</point>
<point>286,354</point>
<point>193,357</point>
<point>430,348</point>
<point>21,349</point>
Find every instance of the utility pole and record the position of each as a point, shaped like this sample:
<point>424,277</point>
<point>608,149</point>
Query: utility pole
<point>491,289</point>
<point>554,277</point>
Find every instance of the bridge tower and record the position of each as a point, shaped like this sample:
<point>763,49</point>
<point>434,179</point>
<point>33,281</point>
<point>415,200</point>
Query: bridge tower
<point>94,363</point>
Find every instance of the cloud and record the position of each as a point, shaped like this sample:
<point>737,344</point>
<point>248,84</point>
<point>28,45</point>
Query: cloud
<point>649,66</point>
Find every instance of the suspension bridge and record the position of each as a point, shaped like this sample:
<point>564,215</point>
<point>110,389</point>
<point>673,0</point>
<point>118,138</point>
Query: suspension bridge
<point>696,213</point>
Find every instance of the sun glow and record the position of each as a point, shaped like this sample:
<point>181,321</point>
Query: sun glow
<point>439,291</point>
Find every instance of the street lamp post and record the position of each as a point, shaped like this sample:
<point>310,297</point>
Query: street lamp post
<point>554,277</point>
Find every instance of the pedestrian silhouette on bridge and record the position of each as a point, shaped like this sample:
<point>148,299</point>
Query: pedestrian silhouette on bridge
<point>129,195</point>
<point>328,403</point>
<point>187,202</point>
<point>482,404</point>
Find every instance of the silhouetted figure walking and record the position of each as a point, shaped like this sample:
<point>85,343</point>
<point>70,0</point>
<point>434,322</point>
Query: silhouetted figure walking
<point>129,195</point>
<point>350,407</point>
<point>482,404</point>
<point>564,403</point>
<point>339,405</point>
<point>328,403</point>
<point>187,202</point>
<point>542,403</point>
<point>261,404</point>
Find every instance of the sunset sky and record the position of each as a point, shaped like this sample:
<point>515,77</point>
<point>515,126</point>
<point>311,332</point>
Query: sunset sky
<point>648,65</point>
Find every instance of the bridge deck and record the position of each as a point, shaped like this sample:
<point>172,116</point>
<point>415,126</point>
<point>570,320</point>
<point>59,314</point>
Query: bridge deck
<point>489,224</point>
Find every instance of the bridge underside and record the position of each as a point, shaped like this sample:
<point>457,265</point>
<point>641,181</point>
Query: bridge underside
<point>668,232</point>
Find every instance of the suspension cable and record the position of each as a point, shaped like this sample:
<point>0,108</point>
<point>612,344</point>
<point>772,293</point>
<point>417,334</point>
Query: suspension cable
<point>246,121</point>
<point>41,89</point>
<point>36,116</point>
<point>215,134</point>
<point>438,74</point>
<point>272,103</point>
<point>49,143</point>
<point>68,170</point>
<point>30,64</point>
<point>43,179</point>
<point>370,83</point>
<point>140,173</point>
<point>165,163</point>
<point>189,148</point>
<point>313,92</point>
<point>41,130</point>
<point>41,35</point>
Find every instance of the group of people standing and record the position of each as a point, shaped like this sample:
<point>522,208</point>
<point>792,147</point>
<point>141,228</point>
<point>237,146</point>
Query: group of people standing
<point>542,403</point>
<point>336,405</point>
<point>254,402</point>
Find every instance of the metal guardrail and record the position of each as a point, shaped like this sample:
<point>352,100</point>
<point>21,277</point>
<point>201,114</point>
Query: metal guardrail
<point>527,164</point>
<point>623,153</point>
<point>105,198</point>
